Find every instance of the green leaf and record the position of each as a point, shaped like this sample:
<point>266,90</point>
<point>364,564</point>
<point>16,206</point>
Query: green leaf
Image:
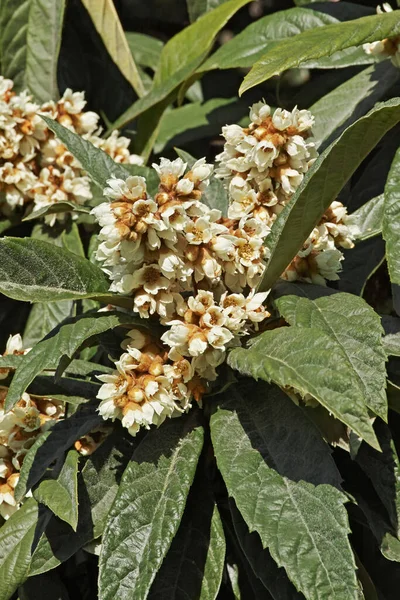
<point>30,44</point>
<point>194,563</point>
<point>321,42</point>
<point>43,317</point>
<point>180,57</point>
<point>16,538</point>
<point>391,219</point>
<point>391,344</point>
<point>108,26</point>
<point>148,508</point>
<point>293,506</point>
<point>52,444</point>
<point>55,209</point>
<point>97,487</point>
<point>264,567</point>
<point>351,100</point>
<point>36,271</point>
<point>197,8</point>
<point>357,329</point>
<point>262,36</point>
<point>98,165</point>
<point>383,469</point>
<point>61,495</point>
<point>60,345</point>
<point>311,362</point>
<point>146,50</point>
<point>322,184</point>
<point>368,218</point>
<point>193,121</point>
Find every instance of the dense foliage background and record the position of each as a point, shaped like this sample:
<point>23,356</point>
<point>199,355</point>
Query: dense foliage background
<point>285,482</point>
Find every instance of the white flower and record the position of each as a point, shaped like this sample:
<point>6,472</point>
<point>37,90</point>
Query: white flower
<point>282,119</point>
<point>233,134</point>
<point>259,112</point>
<point>134,188</point>
<point>328,263</point>
<point>219,337</point>
<point>150,278</point>
<point>166,168</point>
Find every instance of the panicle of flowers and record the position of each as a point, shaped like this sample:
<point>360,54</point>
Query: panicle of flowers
<point>262,166</point>
<point>388,47</point>
<point>36,170</point>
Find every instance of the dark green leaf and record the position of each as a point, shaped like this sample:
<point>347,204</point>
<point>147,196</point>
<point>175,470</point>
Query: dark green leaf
<point>52,444</point>
<point>351,100</point>
<point>55,209</point>
<point>311,362</point>
<point>391,220</point>
<point>36,271</point>
<point>194,563</point>
<point>44,316</point>
<point>357,329</point>
<point>61,494</point>
<point>284,493</point>
<point>322,184</point>
<point>197,8</point>
<point>61,344</point>
<point>148,508</point>
<point>16,538</point>
<point>98,165</point>
<point>321,42</point>
<point>250,45</point>
<point>30,43</point>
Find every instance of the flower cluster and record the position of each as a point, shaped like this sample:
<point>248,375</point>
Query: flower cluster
<point>262,166</point>
<point>387,48</point>
<point>36,170</point>
<point>198,270</point>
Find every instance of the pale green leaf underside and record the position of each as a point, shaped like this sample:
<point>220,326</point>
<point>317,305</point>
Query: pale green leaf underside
<point>147,510</point>
<point>61,494</point>
<point>321,42</point>
<point>304,526</point>
<point>311,362</point>
<point>106,21</point>
<point>30,44</point>
<point>391,219</point>
<point>36,271</point>
<point>367,220</point>
<point>357,329</point>
<point>322,184</point>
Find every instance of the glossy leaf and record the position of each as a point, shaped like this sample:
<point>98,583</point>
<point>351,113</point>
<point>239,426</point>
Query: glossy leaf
<point>148,508</point>
<point>293,506</point>
<point>61,344</point>
<point>16,538</point>
<point>197,8</point>
<point>181,56</point>
<point>108,26</point>
<point>250,45</point>
<point>311,362</point>
<point>30,43</point>
<point>61,494</point>
<point>321,42</point>
<point>367,220</point>
<point>98,165</point>
<point>36,271</point>
<point>194,563</point>
<point>351,100</point>
<point>391,219</point>
<point>322,184</point>
<point>357,329</point>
